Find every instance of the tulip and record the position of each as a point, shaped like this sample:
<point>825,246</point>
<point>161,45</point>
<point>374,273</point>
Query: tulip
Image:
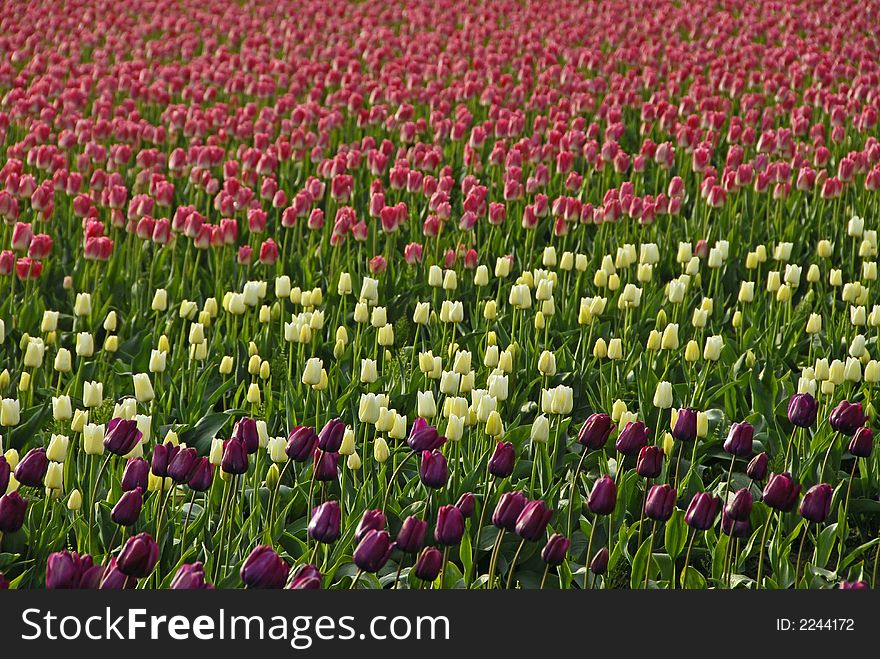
<point>847,417</point>
<point>632,438</point>
<point>5,473</point>
<point>507,510</point>
<point>33,468</point>
<point>802,409</point>
<point>324,525</point>
<point>594,433</point>
<point>781,492</point>
<point>740,506</point>
<point>424,437</point>
<point>12,509</point>
<point>603,496</point>
<point>599,564</point>
<point>301,443</point>
<point>503,459</point>
<point>555,550</point>
<point>202,475</point>
<point>660,503</point>
<point>685,427</point>
<point>163,454</point>
<point>816,503</point>
<point>757,468</point>
<point>139,556</point>
<point>182,465</point>
<point>65,570</point>
<point>264,569</point>
<point>135,474</point>
<point>739,439</point>
<point>428,564</point>
<point>732,527</point>
<point>532,521</point>
<point>325,465</point>
<point>235,457</point>
<point>245,431</point>
<point>372,551</point>
<point>411,536</point>
<point>308,577</point>
<point>122,436</point>
<point>650,462</point>
<point>433,471</point>
<point>371,520</point>
<point>330,437</point>
<point>128,508</point>
<point>190,576</point>
<point>466,504</point>
<point>449,529</point>
<point>860,445</point>
<point>701,512</point>
<point>854,585</point>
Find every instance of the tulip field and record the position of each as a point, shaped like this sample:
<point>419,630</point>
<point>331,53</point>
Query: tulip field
<point>439,294</point>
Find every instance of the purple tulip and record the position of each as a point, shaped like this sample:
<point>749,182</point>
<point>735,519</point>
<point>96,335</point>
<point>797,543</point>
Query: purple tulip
<point>740,506</point>
<point>264,569</point>
<point>603,496</point>
<point>372,551</point>
<point>202,475</point>
<point>599,564</point>
<point>433,471</point>
<point>65,570</point>
<point>555,550</point>
<point>301,443</point>
<point>4,582</point>
<point>860,445</point>
<point>5,472</point>
<point>107,577</point>
<point>802,410</point>
<point>757,468</point>
<point>330,437</point>
<point>449,529</point>
<point>235,457</point>
<point>660,502</point>
<point>507,510</point>
<point>466,504</point>
<point>781,492</point>
<point>122,436</point>
<point>163,454</point>
<point>685,428</point>
<point>32,468</point>
<point>428,564</point>
<point>245,431</point>
<point>595,432</point>
<point>325,465</point>
<point>12,509</point>
<point>502,460</point>
<point>136,474</point>
<point>532,521</point>
<point>701,512</point>
<point>139,556</point>
<point>325,523</point>
<point>739,439</point>
<point>128,508</point>
<point>371,520</point>
<point>411,536</point>
<point>847,417</point>
<point>734,528</point>
<point>308,577</point>
<point>183,464</point>
<point>854,585</point>
<point>190,577</point>
<point>632,438</point>
<point>816,503</point>
<point>650,462</point>
<point>424,437</point>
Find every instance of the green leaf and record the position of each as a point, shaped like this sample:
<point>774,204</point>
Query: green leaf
<point>642,563</point>
<point>676,534</point>
<point>691,579</point>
